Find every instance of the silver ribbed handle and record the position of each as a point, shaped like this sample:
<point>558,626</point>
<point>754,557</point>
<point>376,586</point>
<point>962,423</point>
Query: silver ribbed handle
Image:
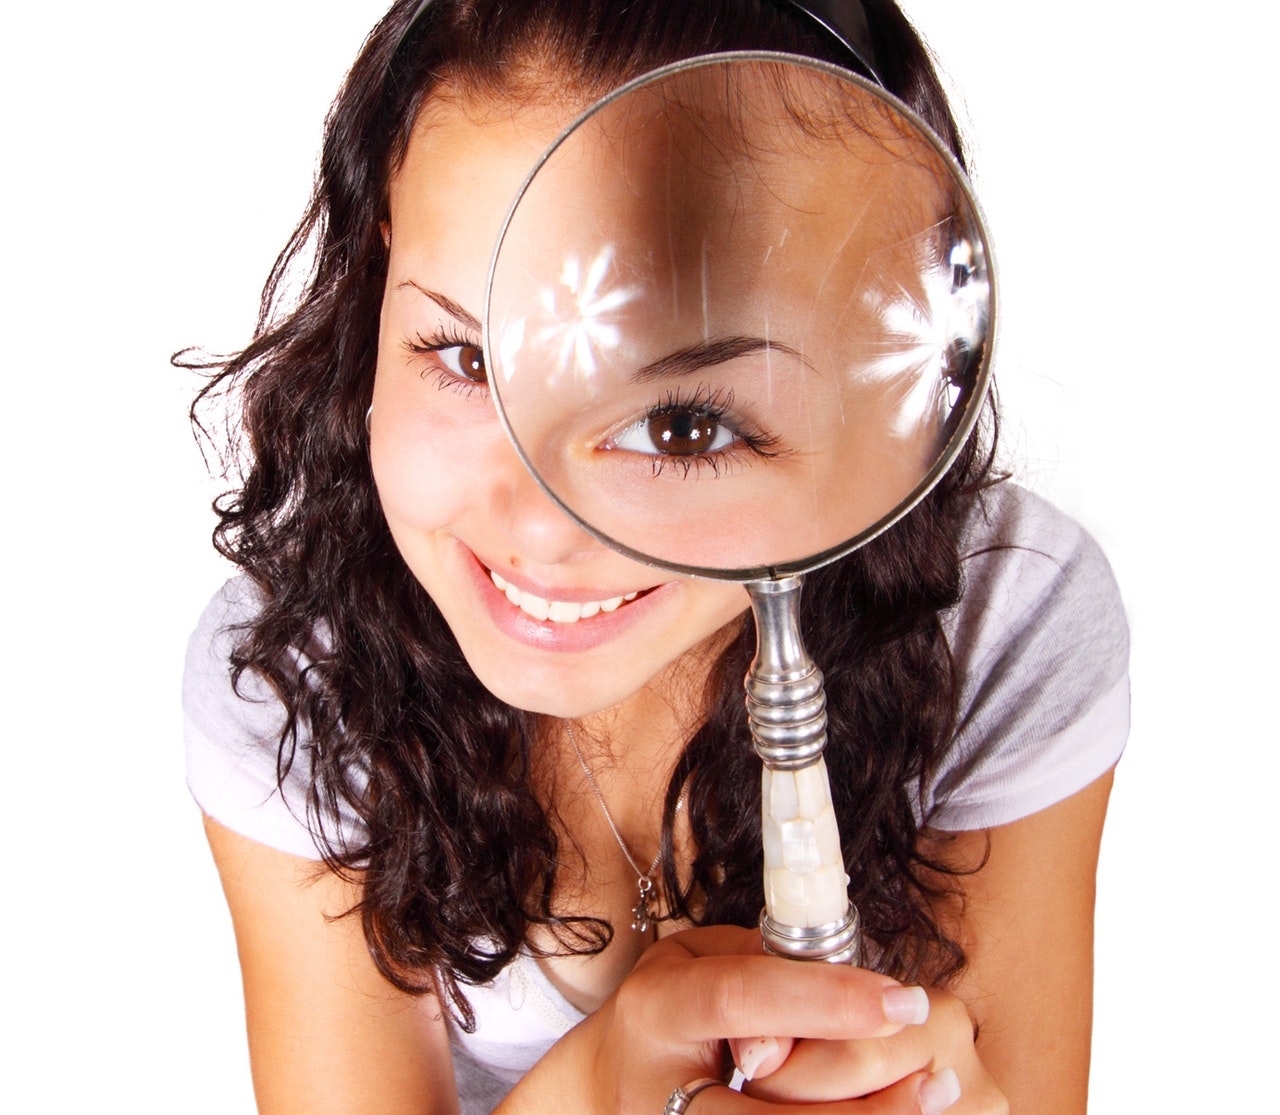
<point>807,913</point>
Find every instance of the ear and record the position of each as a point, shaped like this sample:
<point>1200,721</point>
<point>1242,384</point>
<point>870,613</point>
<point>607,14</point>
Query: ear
<point>385,228</point>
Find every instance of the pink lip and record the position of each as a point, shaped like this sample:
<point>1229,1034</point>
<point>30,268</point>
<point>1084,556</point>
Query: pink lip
<point>563,637</point>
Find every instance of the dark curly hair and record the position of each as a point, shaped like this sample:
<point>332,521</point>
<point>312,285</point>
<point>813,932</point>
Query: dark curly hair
<point>458,858</point>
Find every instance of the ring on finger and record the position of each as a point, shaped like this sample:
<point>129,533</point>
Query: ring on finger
<point>679,1100</point>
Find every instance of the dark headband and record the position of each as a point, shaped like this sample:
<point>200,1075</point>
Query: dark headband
<point>843,20</point>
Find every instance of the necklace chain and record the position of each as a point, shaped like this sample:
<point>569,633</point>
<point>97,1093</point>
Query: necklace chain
<point>642,913</point>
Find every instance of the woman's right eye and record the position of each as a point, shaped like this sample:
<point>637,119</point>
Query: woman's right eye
<point>464,361</point>
<point>456,362</point>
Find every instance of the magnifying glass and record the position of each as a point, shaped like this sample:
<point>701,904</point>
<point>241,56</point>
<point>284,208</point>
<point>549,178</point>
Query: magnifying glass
<point>738,323</point>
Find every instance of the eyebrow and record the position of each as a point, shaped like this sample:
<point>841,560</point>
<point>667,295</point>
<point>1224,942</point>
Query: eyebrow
<point>683,362</point>
<point>705,354</point>
<point>445,303</point>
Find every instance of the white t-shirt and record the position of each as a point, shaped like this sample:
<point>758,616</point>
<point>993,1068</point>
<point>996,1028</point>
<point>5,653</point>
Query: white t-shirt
<point>1039,641</point>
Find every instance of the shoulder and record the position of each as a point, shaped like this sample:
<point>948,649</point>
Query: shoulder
<point>212,701</point>
<point>1033,572</point>
<point>1041,649</point>
<point>234,730</point>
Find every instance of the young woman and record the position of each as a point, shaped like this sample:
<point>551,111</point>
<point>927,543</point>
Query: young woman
<point>439,733</point>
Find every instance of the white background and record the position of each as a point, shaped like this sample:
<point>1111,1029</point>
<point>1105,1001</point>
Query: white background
<point>156,157</point>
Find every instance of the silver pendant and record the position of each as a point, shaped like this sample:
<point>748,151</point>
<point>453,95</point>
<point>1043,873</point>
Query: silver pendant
<point>642,912</point>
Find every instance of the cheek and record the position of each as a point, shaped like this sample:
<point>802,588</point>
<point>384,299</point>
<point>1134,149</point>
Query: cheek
<point>717,603</point>
<point>428,465</point>
<point>417,482</point>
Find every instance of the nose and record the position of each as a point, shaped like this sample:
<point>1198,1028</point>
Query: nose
<point>538,529</point>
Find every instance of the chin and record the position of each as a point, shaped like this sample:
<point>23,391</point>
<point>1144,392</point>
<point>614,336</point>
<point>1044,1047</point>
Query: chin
<point>564,698</point>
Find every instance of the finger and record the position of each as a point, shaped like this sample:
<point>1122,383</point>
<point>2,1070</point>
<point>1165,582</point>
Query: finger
<point>919,1094</point>
<point>825,1070</point>
<point>939,1091</point>
<point>881,1063</point>
<point>903,1006</point>
<point>747,996</point>
<point>722,1101</point>
<point>756,1057</point>
<point>708,940</point>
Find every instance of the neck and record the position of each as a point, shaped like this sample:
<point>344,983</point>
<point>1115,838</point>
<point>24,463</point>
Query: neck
<point>631,750</point>
<point>647,732</point>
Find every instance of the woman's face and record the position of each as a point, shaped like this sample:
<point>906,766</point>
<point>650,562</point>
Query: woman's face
<point>548,618</point>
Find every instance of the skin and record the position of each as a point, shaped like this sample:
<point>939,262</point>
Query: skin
<point>453,491</point>
<point>328,1034</point>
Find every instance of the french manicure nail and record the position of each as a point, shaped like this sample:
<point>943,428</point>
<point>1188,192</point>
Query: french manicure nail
<point>939,1092</point>
<point>752,1054</point>
<point>905,1006</point>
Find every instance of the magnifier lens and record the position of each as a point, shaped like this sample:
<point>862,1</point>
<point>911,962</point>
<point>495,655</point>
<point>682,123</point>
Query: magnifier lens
<point>737,320</point>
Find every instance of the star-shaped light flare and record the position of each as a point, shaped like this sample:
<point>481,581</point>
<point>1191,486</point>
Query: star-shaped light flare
<point>580,316</point>
<point>919,328</point>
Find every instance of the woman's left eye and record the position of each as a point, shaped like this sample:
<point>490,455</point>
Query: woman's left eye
<point>676,433</point>
<point>693,431</point>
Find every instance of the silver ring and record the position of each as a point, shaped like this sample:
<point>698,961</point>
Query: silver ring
<point>679,1100</point>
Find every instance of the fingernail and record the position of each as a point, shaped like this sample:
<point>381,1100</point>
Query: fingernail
<point>939,1092</point>
<point>753,1053</point>
<point>905,1006</point>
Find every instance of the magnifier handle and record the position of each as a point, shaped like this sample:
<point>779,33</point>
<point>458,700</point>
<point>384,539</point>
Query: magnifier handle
<point>807,913</point>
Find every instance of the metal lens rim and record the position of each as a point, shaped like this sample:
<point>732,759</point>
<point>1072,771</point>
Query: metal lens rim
<point>962,428</point>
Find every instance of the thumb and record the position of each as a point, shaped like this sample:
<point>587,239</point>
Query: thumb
<point>759,1057</point>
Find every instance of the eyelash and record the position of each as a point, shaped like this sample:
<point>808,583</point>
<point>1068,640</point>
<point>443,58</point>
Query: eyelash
<point>705,403</point>
<point>446,379</point>
<point>717,406</point>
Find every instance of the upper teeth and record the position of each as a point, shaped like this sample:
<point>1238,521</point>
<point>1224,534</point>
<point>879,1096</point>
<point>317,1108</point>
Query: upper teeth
<point>558,611</point>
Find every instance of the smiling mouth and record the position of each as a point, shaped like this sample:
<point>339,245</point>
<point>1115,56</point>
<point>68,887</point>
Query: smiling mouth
<point>557,611</point>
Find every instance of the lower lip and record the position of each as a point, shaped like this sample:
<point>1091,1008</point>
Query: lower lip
<point>583,635</point>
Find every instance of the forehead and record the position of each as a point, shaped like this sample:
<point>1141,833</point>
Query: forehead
<point>468,156</point>
<point>465,161</point>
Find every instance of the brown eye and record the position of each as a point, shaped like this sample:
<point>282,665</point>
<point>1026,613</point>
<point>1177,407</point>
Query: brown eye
<point>682,433</point>
<point>465,362</point>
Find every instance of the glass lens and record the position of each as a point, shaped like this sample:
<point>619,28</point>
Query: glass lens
<point>737,321</point>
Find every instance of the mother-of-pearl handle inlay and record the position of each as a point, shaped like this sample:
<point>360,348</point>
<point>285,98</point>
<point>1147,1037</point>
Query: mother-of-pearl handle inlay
<point>804,877</point>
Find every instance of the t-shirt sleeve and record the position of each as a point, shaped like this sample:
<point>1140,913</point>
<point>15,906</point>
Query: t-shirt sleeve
<point>1041,647</point>
<point>232,738</point>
